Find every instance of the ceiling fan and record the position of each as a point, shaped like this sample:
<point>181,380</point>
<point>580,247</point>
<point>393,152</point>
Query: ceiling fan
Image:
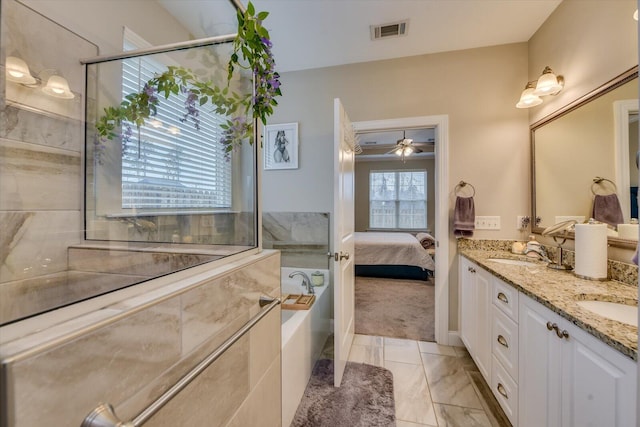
<point>404,147</point>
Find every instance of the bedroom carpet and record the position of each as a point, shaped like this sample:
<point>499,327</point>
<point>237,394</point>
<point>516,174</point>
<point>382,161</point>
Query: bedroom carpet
<point>364,399</point>
<point>395,308</point>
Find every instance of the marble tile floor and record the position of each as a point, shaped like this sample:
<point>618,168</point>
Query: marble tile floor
<point>434,385</point>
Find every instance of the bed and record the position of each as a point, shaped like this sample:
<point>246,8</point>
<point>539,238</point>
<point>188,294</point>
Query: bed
<point>392,255</point>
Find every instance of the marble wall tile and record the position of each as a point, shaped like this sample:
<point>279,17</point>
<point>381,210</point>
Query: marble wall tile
<point>34,177</point>
<point>213,396</point>
<point>23,298</point>
<point>264,346</point>
<point>145,264</point>
<point>208,308</point>
<point>262,407</point>
<point>35,243</point>
<point>302,237</point>
<point>64,384</point>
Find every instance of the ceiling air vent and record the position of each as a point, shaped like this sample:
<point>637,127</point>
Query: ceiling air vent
<point>392,29</point>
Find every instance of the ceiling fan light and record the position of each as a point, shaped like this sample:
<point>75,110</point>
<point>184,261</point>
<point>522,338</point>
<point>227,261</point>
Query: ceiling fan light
<point>399,151</point>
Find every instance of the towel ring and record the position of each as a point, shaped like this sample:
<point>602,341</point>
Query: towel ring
<point>461,185</point>
<point>599,180</point>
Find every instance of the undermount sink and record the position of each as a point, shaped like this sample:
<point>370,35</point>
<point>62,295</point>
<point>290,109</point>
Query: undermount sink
<point>613,310</point>
<point>513,262</point>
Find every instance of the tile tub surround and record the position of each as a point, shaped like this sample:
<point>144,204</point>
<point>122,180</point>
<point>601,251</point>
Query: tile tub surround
<point>128,352</point>
<point>302,237</point>
<point>559,291</point>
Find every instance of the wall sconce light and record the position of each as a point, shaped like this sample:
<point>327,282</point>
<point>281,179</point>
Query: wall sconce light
<point>547,84</point>
<point>57,86</point>
<point>17,71</point>
<point>528,98</point>
<point>635,15</point>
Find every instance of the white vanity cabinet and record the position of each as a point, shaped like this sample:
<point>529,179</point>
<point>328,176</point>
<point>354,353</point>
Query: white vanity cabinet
<point>475,314</point>
<point>568,377</point>
<point>543,370</point>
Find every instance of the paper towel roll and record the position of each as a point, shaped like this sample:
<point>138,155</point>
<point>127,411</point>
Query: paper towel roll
<point>628,231</point>
<point>591,251</point>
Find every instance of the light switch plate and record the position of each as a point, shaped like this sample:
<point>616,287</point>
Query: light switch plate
<point>487,223</point>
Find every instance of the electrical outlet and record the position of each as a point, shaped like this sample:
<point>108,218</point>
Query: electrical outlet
<point>487,223</point>
<point>522,222</point>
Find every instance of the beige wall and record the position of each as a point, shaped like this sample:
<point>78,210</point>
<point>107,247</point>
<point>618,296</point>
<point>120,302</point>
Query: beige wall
<point>488,136</point>
<point>589,42</point>
<point>362,187</point>
<point>101,21</point>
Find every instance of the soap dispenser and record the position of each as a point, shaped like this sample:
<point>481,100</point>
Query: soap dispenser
<point>534,249</point>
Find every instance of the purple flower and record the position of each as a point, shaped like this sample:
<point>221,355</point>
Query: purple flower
<point>266,42</point>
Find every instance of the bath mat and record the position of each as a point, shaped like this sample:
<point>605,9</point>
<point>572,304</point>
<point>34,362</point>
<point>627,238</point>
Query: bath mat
<point>395,308</point>
<point>364,399</point>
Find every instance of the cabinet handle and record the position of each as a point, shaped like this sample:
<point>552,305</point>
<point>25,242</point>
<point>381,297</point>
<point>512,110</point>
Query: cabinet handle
<point>471,269</point>
<point>502,391</point>
<point>554,327</point>
<point>503,341</point>
<point>564,334</point>
<point>502,297</point>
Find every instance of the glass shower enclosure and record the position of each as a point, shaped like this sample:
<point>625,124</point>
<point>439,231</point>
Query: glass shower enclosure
<point>160,195</point>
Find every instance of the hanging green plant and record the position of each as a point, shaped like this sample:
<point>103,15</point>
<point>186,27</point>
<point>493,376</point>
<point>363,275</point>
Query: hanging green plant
<point>251,51</point>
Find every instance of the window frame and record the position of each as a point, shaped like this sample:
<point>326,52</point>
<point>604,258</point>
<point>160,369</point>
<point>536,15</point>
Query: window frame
<point>397,199</point>
<point>219,192</point>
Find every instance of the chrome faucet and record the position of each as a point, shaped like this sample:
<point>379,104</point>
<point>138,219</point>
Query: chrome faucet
<point>305,280</point>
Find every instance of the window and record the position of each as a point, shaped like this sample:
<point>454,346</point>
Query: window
<point>398,199</point>
<point>168,163</point>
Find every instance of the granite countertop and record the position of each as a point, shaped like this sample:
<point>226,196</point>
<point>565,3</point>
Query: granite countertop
<point>560,290</point>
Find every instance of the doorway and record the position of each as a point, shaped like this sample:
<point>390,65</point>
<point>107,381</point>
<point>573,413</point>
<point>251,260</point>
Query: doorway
<point>440,125</point>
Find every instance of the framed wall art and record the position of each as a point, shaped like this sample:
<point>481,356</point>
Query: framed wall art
<point>280,146</point>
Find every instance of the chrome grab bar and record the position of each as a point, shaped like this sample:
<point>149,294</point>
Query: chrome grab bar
<point>105,416</point>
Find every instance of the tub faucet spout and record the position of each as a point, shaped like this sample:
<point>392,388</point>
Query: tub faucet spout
<point>305,280</point>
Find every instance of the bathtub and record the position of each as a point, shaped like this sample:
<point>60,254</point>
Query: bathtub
<point>304,333</point>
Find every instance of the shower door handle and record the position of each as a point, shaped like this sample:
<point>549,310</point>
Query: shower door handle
<point>340,256</point>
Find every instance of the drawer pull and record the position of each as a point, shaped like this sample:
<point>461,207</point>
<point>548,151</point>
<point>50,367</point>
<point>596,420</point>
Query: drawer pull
<point>563,334</point>
<point>502,297</point>
<point>502,391</point>
<point>503,341</point>
<point>471,269</point>
<point>551,326</point>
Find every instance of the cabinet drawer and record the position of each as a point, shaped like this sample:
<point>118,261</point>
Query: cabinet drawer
<point>505,297</point>
<point>505,390</point>
<point>504,341</point>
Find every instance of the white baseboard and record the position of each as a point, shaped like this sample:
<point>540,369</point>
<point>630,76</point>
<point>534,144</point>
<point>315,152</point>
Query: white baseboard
<point>454,339</point>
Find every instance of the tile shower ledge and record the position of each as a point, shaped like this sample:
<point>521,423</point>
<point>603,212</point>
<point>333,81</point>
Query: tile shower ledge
<point>559,291</point>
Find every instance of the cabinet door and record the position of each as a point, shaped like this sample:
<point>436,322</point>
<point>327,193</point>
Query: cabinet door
<point>467,303</point>
<point>484,313</point>
<point>539,366</point>
<point>599,384</point>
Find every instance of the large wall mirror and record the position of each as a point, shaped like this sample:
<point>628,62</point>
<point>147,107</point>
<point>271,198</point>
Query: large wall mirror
<point>595,136</point>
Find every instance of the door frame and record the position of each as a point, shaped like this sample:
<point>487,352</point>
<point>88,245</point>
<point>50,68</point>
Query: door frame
<point>441,149</point>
